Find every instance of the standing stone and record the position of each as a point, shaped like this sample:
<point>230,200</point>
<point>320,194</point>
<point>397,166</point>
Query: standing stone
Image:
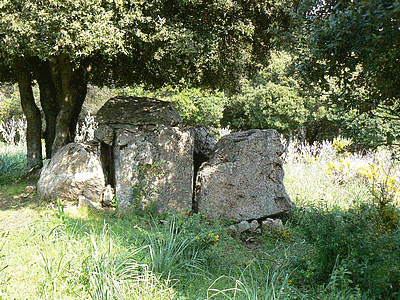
<point>74,172</point>
<point>138,111</point>
<point>154,163</point>
<point>244,178</point>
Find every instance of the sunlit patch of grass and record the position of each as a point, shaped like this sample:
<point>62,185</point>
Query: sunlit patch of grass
<point>60,257</point>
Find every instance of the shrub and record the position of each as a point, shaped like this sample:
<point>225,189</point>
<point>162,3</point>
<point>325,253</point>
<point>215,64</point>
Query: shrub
<point>348,220</point>
<point>199,107</point>
<point>270,100</point>
<point>356,240</point>
<point>375,169</point>
<point>369,130</point>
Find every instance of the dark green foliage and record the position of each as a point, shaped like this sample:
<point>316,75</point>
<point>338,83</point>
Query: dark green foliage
<point>369,130</point>
<point>365,241</point>
<point>129,42</point>
<point>351,49</point>
<point>356,41</point>
<point>270,100</point>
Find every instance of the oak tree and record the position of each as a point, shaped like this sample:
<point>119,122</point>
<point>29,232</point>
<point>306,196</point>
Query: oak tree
<point>64,45</point>
<point>354,44</point>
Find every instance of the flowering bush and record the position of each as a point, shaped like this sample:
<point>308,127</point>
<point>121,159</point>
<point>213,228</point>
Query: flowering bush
<point>341,145</point>
<point>373,169</point>
<point>14,131</point>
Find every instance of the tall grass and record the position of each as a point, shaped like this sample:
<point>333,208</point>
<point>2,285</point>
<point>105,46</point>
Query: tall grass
<point>254,282</point>
<point>12,162</point>
<point>2,265</point>
<point>76,258</point>
<point>172,252</point>
<point>120,276</point>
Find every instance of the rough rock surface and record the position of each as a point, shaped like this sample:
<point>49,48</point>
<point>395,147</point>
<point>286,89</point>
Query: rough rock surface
<point>138,111</point>
<point>105,134</point>
<point>74,171</point>
<point>204,142</point>
<point>243,179</point>
<point>154,162</point>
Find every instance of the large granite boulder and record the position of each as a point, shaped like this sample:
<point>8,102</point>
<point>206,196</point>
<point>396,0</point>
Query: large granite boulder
<point>154,163</point>
<point>138,111</point>
<point>75,171</point>
<point>243,179</point>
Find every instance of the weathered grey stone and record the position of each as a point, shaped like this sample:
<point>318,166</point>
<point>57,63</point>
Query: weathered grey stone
<point>254,226</point>
<point>83,202</point>
<point>243,179</point>
<point>204,142</point>
<point>107,195</point>
<point>157,162</point>
<point>243,226</point>
<point>29,191</point>
<point>75,170</point>
<point>232,231</point>
<point>272,223</point>
<point>105,134</point>
<point>138,111</point>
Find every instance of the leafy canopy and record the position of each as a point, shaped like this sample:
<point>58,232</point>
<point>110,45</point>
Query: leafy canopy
<point>356,42</point>
<point>207,42</point>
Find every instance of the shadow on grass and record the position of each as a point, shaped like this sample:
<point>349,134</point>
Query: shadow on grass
<point>20,194</point>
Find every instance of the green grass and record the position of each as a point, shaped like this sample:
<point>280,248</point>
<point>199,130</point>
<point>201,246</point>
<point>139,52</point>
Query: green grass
<point>336,243</point>
<point>12,163</point>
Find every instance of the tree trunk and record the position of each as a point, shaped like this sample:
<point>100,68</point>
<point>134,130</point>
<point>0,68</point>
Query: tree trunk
<point>33,117</point>
<point>71,85</point>
<point>48,100</point>
<point>80,90</point>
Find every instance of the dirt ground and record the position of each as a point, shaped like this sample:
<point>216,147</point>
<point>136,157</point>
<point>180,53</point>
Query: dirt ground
<point>16,203</point>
